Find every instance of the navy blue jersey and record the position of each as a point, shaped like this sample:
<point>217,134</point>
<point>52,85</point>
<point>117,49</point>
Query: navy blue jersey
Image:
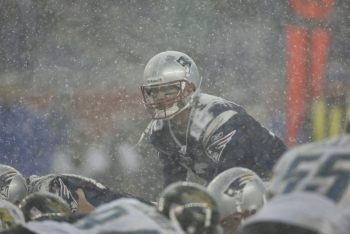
<point>220,135</point>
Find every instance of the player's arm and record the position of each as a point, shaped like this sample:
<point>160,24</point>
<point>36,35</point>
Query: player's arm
<point>172,170</point>
<point>265,140</point>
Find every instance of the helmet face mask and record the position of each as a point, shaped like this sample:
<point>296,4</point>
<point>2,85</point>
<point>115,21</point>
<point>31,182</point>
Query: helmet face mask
<point>166,100</point>
<point>170,81</point>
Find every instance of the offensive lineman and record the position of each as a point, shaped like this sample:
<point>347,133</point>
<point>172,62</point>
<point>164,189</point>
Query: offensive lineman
<point>310,191</point>
<point>200,132</point>
<point>182,208</point>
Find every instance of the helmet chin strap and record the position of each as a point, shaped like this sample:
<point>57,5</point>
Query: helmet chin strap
<point>187,119</point>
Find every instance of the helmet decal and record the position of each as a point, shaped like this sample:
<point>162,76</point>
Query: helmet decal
<point>238,184</point>
<point>5,180</point>
<point>59,188</point>
<point>186,63</point>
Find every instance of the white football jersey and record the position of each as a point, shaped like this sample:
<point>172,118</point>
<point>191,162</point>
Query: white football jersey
<point>310,187</point>
<point>322,168</point>
<point>306,210</point>
<point>122,215</point>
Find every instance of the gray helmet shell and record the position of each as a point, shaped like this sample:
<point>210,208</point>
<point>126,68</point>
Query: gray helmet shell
<point>13,186</point>
<point>237,190</point>
<point>171,66</point>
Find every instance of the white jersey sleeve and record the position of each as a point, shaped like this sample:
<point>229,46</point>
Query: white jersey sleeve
<point>122,215</point>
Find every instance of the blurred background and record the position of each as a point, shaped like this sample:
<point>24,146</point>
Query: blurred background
<point>70,72</point>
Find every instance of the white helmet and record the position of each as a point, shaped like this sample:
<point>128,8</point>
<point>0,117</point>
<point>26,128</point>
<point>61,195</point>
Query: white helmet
<point>13,186</point>
<point>170,81</point>
<point>238,190</point>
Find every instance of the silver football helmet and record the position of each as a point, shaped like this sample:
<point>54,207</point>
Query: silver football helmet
<point>238,190</point>
<point>170,81</point>
<point>13,186</point>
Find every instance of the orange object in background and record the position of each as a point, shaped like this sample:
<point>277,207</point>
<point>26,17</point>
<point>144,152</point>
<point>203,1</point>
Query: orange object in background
<point>319,52</point>
<point>312,9</point>
<point>297,73</point>
<point>307,52</point>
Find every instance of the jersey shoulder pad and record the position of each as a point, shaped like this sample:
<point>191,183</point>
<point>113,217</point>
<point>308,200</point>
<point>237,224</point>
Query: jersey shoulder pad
<point>210,113</point>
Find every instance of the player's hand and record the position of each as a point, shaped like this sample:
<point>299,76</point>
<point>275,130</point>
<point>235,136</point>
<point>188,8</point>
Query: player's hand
<point>84,206</point>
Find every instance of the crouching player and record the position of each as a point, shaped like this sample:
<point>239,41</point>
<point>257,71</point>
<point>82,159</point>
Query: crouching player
<point>183,207</point>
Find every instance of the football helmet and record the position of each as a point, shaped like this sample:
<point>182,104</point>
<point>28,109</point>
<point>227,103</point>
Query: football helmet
<point>55,183</point>
<point>238,191</point>
<point>191,206</point>
<point>170,81</point>
<point>13,186</point>
<point>43,205</point>
<point>10,215</point>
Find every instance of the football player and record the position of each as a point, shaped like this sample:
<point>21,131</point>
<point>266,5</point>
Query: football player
<point>182,208</point>
<point>81,193</point>
<point>200,132</point>
<point>309,191</point>
<point>240,193</point>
